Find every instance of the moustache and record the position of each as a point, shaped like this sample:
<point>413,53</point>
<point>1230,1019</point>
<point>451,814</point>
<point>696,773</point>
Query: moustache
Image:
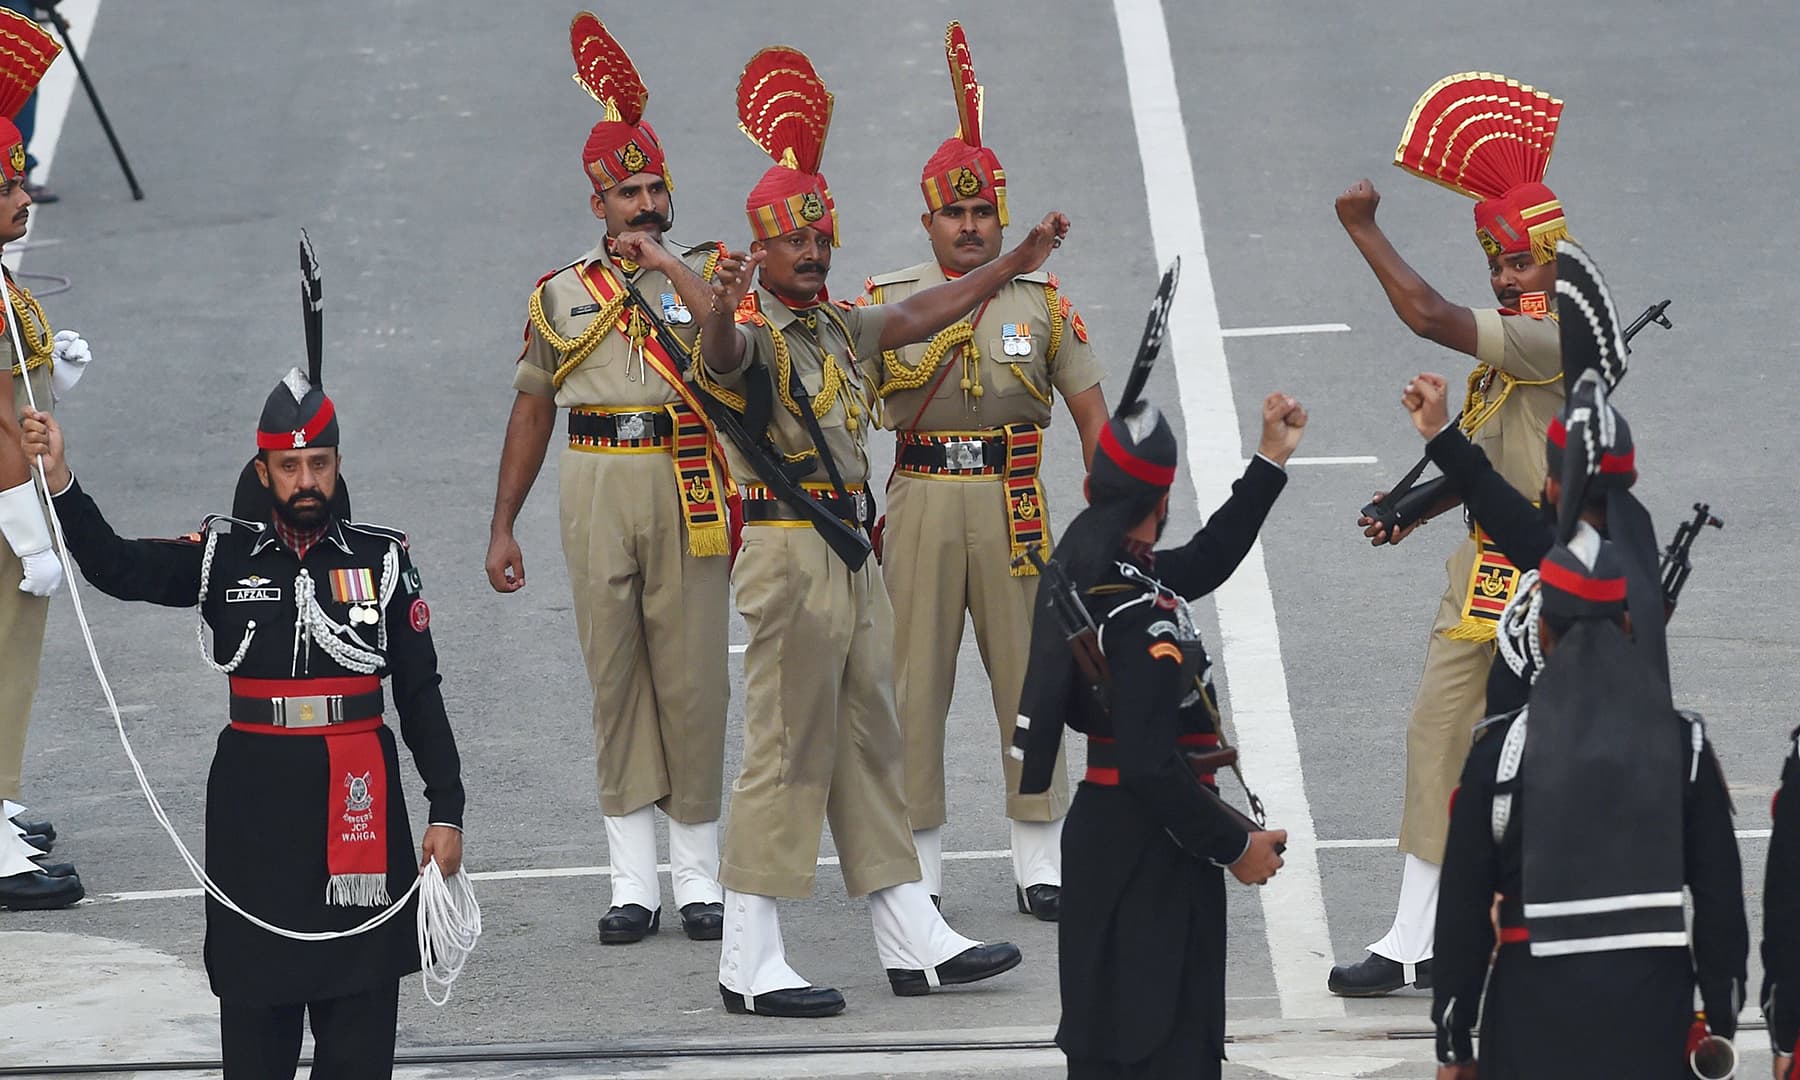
<point>810,267</point>
<point>649,217</point>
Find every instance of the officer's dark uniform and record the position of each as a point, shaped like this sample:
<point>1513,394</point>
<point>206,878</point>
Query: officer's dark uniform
<point>307,643</point>
<point>1142,934</point>
<point>1781,911</point>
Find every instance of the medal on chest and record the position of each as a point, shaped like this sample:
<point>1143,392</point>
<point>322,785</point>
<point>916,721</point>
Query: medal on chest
<point>1015,339</point>
<point>355,587</point>
<point>674,311</point>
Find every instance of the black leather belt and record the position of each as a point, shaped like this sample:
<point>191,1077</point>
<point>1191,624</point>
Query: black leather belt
<point>619,426</point>
<point>955,455</point>
<point>315,711</point>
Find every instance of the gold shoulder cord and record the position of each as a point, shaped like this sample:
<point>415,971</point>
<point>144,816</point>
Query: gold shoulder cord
<point>34,328</point>
<point>579,348</point>
<point>1478,409</point>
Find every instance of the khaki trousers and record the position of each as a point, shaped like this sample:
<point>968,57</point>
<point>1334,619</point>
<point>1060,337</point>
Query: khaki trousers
<point>820,738</point>
<point>22,619</point>
<point>652,621</point>
<point>1451,700</point>
<point>947,551</point>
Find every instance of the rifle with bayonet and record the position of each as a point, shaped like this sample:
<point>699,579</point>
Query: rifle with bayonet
<point>1675,564</point>
<point>1083,638</point>
<point>752,439</point>
<point>1408,501</point>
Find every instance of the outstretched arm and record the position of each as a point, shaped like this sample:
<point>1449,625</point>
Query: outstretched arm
<point>1422,308</point>
<point>924,313</point>
<point>721,349</point>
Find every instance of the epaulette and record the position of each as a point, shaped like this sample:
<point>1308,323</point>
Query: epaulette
<point>896,277</point>
<point>704,258</point>
<point>398,536</point>
<point>224,523</point>
<point>845,305</point>
<point>1038,277</point>
<point>1491,722</point>
<point>553,273</point>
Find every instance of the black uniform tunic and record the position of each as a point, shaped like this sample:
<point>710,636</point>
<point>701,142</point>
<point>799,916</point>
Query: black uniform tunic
<point>1142,933</point>
<point>1781,911</point>
<point>268,796</point>
<point>1622,1013</point>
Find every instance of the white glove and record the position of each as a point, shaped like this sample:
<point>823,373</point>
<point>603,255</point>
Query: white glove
<point>69,357</point>
<point>23,524</point>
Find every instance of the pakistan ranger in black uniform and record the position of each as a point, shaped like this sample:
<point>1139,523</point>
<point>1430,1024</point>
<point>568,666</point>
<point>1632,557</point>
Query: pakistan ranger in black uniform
<point>306,823</point>
<point>1142,934</point>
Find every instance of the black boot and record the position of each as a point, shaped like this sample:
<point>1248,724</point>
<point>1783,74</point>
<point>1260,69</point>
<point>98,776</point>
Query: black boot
<point>1041,901</point>
<point>628,924</point>
<point>1376,976</point>
<point>971,965</point>
<point>40,828</point>
<point>58,869</point>
<point>39,892</point>
<point>800,1001</point>
<point>703,922</point>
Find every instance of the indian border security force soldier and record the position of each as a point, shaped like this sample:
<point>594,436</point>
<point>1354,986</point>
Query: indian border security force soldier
<point>306,823</point>
<point>1142,934</point>
<point>798,375</point>
<point>1593,358</point>
<point>644,524</point>
<point>1587,811</point>
<point>969,409</point>
<point>29,568</point>
<point>1514,391</point>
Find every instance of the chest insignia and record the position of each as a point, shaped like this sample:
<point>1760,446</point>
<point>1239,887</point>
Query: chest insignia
<point>253,593</point>
<point>1015,339</point>
<point>584,309</point>
<point>674,311</point>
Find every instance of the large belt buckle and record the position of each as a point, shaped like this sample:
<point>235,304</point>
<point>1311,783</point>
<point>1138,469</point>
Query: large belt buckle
<point>965,454</point>
<point>317,710</point>
<point>631,425</point>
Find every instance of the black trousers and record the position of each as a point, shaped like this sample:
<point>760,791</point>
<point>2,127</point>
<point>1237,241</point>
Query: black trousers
<point>353,1037</point>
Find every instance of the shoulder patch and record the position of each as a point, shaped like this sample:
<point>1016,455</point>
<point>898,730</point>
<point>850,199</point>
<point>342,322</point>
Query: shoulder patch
<point>398,536</point>
<point>1165,650</point>
<point>1074,319</point>
<point>410,585</point>
<point>1161,628</point>
<point>748,310</point>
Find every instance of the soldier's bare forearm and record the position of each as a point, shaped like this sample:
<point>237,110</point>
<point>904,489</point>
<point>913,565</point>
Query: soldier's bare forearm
<point>694,290</point>
<point>15,469</point>
<point>720,347</point>
<point>1088,410</point>
<point>1420,306</point>
<point>527,437</point>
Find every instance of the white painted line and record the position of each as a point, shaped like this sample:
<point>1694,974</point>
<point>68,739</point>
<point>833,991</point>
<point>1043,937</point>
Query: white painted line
<point>1388,842</point>
<point>54,95</point>
<point>1274,331</point>
<point>1299,936</point>
<point>532,873</point>
<point>1350,459</point>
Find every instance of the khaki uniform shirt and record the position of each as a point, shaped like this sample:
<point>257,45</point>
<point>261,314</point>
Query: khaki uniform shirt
<point>836,358</point>
<point>1048,349</point>
<point>1529,350</point>
<point>611,374</point>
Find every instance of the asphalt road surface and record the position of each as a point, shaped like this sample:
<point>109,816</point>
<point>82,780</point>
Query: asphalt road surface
<point>432,151</point>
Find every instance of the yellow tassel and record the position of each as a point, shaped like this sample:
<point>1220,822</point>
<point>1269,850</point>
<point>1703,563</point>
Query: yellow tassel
<point>1543,244</point>
<point>1472,630</point>
<point>708,541</point>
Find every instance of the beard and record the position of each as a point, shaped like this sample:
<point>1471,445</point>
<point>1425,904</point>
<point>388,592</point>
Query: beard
<point>304,510</point>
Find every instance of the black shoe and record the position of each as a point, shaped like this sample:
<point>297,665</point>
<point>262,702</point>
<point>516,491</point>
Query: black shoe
<point>58,869</point>
<point>703,922</point>
<point>971,965</point>
<point>1042,901</point>
<point>1375,976</point>
<point>39,892</point>
<point>40,828</point>
<point>629,924</point>
<point>799,1001</point>
<point>44,843</point>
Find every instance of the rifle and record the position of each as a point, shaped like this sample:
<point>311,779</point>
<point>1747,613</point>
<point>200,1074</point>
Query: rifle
<point>1084,644</point>
<point>1675,564</point>
<point>1408,501</point>
<point>845,541</point>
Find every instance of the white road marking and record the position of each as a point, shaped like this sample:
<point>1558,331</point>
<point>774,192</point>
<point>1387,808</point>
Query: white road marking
<point>54,95</point>
<point>1299,936</point>
<point>1273,331</point>
<point>1388,842</point>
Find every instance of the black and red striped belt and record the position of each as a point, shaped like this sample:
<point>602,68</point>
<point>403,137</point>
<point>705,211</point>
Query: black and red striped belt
<point>311,705</point>
<point>1103,758</point>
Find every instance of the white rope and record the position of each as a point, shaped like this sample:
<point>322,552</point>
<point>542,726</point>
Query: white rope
<point>453,921</point>
<point>206,561</point>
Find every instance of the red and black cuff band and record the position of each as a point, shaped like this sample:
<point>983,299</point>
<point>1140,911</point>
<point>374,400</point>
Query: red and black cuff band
<point>1133,466</point>
<point>1614,464</point>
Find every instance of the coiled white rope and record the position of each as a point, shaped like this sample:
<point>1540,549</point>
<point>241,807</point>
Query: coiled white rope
<point>449,917</point>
